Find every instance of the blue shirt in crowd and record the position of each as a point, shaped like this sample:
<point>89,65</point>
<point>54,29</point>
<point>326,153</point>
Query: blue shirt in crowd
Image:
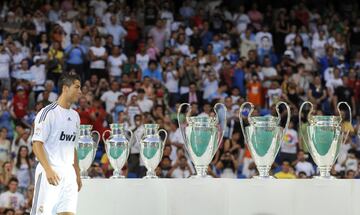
<point>75,55</point>
<point>239,81</point>
<point>156,74</point>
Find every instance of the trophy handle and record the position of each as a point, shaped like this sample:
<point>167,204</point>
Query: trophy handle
<point>130,141</point>
<point>310,112</point>
<point>241,119</point>
<point>338,108</point>
<point>305,139</point>
<point>279,115</point>
<point>182,128</point>
<point>222,125</point>
<point>105,140</point>
<point>164,141</point>
<point>96,142</point>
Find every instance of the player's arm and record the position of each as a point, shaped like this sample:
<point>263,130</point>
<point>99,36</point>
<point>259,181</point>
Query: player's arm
<point>38,149</point>
<point>76,160</point>
<point>77,170</point>
<point>42,131</point>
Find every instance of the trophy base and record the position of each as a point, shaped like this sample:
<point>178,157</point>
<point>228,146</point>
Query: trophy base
<point>150,177</point>
<point>263,177</point>
<point>324,177</point>
<point>117,177</point>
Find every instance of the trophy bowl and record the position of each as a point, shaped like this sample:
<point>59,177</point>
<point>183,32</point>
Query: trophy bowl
<point>202,135</point>
<point>86,148</point>
<point>151,148</point>
<point>324,138</point>
<point>117,147</point>
<point>263,137</point>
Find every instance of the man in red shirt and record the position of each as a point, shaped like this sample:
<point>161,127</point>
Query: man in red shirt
<point>97,115</point>
<point>20,103</point>
<point>83,111</point>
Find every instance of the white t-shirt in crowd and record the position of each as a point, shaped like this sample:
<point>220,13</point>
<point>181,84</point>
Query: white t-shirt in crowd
<point>290,141</point>
<point>67,26</point>
<point>12,200</point>
<point>98,52</point>
<point>179,173</point>
<point>5,150</point>
<point>332,84</point>
<point>118,32</point>
<point>115,64</point>
<point>58,129</point>
<point>242,21</point>
<point>351,164</point>
<point>100,7</point>
<point>308,63</point>
<point>132,111</point>
<point>17,58</point>
<point>171,83</point>
<point>24,75</point>
<point>145,105</point>
<point>39,74</point>
<point>142,60</point>
<point>5,61</point>
<point>306,167</point>
<point>319,48</point>
<point>52,97</point>
<point>268,72</point>
<point>175,137</point>
<point>210,88</point>
<point>110,98</point>
<point>289,39</point>
<point>274,95</point>
<point>184,49</point>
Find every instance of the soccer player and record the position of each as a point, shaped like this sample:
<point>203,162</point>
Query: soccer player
<point>57,177</point>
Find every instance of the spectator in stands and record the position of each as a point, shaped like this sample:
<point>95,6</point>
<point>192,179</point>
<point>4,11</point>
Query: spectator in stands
<point>23,169</point>
<point>303,166</point>
<point>289,145</point>
<point>12,198</point>
<point>98,57</point>
<point>286,171</point>
<point>116,31</point>
<point>153,72</point>
<point>180,169</point>
<point>75,55</point>
<point>5,61</point>
<point>110,97</point>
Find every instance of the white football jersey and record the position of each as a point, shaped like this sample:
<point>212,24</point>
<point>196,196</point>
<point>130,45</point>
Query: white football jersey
<point>58,129</point>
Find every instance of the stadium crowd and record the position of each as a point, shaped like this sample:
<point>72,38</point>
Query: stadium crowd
<point>139,60</point>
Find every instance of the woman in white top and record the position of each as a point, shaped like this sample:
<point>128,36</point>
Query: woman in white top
<point>116,62</point>
<point>22,169</point>
<point>98,57</point>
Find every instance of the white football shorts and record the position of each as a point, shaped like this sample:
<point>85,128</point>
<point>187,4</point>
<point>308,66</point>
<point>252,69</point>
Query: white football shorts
<point>51,200</point>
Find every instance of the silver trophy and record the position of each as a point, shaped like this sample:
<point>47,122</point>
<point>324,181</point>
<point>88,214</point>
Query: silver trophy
<point>86,148</point>
<point>324,139</point>
<point>263,137</point>
<point>202,136</point>
<point>151,148</point>
<point>117,147</point>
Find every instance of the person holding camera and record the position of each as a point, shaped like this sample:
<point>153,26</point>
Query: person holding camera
<point>227,165</point>
<point>181,169</point>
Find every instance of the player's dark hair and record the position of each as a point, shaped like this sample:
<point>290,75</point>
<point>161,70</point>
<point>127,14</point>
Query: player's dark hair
<point>67,79</point>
